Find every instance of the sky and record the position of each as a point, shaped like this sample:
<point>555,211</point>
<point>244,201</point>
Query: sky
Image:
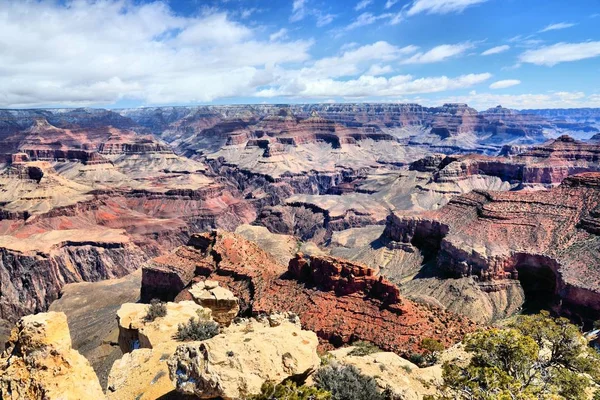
<point>135,53</point>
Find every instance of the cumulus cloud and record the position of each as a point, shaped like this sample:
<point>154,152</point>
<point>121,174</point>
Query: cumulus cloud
<point>378,69</point>
<point>439,53</point>
<point>440,6</point>
<point>496,50</point>
<point>97,52</point>
<point>561,52</point>
<point>371,86</point>
<point>505,84</point>
<point>555,27</point>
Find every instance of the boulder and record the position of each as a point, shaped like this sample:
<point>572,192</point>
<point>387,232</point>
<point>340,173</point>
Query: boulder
<point>39,363</point>
<point>237,362</point>
<point>224,305</point>
<point>135,332</point>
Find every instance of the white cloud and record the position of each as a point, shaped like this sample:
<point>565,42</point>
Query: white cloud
<point>98,52</point>
<point>561,52</point>
<point>440,6</point>
<point>554,27</point>
<point>279,35</point>
<point>439,53</point>
<point>323,19</point>
<point>496,50</point>
<point>364,19</point>
<point>301,11</point>
<point>361,5</point>
<point>390,3</point>
<point>505,84</point>
<point>378,69</point>
<point>371,86</point>
<point>298,10</point>
<point>483,101</point>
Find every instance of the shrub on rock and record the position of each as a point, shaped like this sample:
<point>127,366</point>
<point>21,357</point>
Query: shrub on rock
<point>156,309</point>
<point>289,391</point>
<point>197,330</point>
<point>345,382</point>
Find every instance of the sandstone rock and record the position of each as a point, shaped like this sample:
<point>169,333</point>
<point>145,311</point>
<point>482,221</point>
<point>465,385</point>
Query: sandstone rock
<point>237,362</point>
<point>223,304</point>
<point>135,332</point>
<point>40,363</point>
<point>142,374</point>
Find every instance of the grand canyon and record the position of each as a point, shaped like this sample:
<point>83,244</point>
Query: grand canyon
<point>384,223</point>
<point>299,200</point>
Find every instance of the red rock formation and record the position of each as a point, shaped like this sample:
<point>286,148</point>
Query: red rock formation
<point>339,300</point>
<point>548,238</point>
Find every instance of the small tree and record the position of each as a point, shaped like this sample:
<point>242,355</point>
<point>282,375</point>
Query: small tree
<point>537,357</point>
<point>156,309</point>
<point>196,330</point>
<point>289,391</point>
<point>432,348</point>
<point>345,382</point>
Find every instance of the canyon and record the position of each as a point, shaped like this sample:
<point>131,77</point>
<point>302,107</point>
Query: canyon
<point>397,222</point>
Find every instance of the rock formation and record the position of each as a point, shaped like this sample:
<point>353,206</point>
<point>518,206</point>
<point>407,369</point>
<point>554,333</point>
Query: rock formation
<point>547,240</point>
<point>135,332</point>
<point>237,362</point>
<point>223,304</point>
<point>39,362</point>
<point>359,304</point>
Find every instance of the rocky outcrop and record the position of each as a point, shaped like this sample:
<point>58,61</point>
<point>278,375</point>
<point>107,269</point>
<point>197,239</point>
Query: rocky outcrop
<point>223,304</point>
<point>547,240</point>
<point>39,362</point>
<point>340,301</point>
<point>135,332</point>
<point>237,362</point>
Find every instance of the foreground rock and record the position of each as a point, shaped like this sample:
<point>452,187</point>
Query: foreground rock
<point>39,363</point>
<point>136,332</point>
<point>237,362</point>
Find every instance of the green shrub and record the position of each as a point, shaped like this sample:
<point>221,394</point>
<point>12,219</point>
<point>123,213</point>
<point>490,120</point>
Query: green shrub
<point>363,348</point>
<point>345,382</point>
<point>432,348</point>
<point>537,357</point>
<point>289,391</point>
<point>156,309</point>
<point>196,330</point>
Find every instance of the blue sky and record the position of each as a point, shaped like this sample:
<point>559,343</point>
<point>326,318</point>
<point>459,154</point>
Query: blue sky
<point>120,53</point>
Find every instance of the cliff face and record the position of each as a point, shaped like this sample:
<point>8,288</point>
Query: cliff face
<point>545,239</point>
<point>32,271</point>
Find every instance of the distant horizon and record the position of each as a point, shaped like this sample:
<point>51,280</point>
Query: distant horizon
<point>283,105</point>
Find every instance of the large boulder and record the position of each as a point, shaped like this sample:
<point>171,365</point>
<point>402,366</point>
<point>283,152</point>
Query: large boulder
<point>39,363</point>
<point>237,362</point>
